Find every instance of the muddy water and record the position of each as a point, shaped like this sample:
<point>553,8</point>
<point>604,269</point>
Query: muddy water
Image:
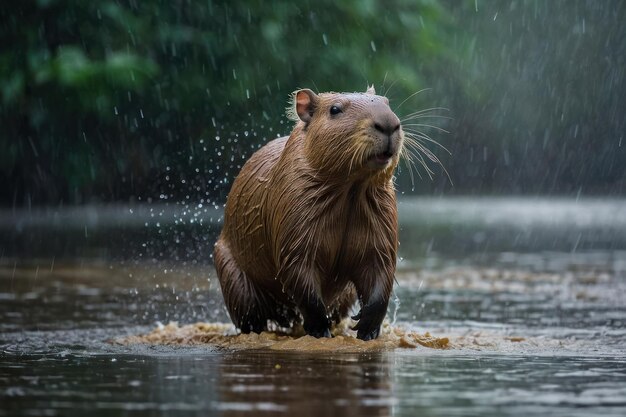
<point>495,314</point>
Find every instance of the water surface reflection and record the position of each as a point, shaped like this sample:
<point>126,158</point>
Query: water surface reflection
<point>531,295</point>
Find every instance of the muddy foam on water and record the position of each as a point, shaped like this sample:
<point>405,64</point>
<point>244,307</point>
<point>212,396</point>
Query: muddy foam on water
<point>223,336</point>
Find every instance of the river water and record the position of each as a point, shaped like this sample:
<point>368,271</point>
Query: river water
<point>529,296</point>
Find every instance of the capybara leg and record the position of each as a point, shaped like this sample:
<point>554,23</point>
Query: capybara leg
<point>244,303</point>
<point>316,321</point>
<point>370,318</point>
<point>374,294</point>
<point>342,307</point>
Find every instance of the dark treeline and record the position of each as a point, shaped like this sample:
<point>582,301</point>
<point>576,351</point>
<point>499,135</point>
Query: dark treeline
<point>120,100</point>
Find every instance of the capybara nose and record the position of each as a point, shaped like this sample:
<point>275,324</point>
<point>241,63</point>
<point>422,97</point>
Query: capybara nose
<point>386,123</point>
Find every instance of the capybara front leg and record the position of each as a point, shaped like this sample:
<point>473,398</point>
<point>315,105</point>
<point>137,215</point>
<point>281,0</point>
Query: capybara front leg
<point>316,320</point>
<point>244,302</point>
<point>374,295</point>
<point>370,319</point>
<point>301,285</point>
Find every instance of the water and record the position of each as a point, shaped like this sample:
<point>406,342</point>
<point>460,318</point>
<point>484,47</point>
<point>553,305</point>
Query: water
<point>251,384</point>
<point>530,294</point>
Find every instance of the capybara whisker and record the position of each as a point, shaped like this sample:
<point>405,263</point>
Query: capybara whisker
<point>410,97</point>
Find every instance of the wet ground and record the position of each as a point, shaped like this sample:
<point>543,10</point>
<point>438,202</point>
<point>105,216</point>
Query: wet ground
<point>529,295</point>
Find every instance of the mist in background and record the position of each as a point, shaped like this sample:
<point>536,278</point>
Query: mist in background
<point>124,101</point>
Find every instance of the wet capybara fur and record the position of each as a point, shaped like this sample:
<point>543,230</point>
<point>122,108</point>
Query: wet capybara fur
<point>310,225</point>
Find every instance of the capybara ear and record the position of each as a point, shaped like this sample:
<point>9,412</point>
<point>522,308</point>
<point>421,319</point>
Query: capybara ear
<point>370,90</point>
<point>305,102</point>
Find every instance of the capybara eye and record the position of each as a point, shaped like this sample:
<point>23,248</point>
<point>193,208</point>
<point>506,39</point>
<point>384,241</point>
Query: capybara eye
<point>335,110</point>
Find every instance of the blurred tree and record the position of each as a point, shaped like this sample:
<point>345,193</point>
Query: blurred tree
<point>544,93</point>
<point>120,99</point>
<point>105,99</point>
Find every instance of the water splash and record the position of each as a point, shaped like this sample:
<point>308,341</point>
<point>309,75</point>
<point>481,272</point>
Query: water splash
<point>223,336</point>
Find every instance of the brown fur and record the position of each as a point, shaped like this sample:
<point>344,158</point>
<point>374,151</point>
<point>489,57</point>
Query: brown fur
<point>311,222</point>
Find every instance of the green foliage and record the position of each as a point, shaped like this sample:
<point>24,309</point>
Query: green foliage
<point>116,99</point>
<point>543,97</point>
<point>101,99</point>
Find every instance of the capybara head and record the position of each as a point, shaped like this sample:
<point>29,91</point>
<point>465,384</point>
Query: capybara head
<point>348,134</point>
